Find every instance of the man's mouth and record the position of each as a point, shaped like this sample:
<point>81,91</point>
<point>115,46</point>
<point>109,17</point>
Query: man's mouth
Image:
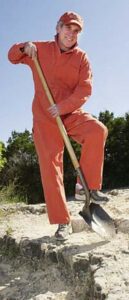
<point>69,39</point>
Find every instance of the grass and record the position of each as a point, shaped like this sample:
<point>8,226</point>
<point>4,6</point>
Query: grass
<point>7,195</point>
<point>9,231</point>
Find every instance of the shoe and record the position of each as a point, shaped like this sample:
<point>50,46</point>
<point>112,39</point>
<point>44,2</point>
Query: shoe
<point>98,197</point>
<point>95,195</point>
<point>63,231</point>
<point>79,192</point>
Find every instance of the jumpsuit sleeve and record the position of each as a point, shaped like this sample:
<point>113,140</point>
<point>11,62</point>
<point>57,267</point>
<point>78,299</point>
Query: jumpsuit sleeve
<point>16,56</point>
<point>82,91</point>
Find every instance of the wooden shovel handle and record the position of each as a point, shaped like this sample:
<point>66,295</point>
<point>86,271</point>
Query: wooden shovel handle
<point>58,119</point>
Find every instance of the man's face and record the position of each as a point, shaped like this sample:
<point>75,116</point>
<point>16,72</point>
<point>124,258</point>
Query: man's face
<point>67,36</point>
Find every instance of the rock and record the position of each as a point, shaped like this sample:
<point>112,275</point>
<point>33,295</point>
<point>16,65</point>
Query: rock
<point>33,265</point>
<point>114,192</point>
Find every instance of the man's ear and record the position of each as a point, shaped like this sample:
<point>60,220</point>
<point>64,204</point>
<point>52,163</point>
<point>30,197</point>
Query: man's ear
<point>58,27</point>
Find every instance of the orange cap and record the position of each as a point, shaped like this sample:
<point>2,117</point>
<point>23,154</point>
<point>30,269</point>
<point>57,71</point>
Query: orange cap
<point>72,18</point>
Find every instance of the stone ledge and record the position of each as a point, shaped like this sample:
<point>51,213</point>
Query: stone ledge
<point>34,266</point>
<point>76,271</point>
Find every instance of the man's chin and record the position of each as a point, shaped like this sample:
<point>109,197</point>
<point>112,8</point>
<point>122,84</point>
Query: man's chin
<point>68,46</point>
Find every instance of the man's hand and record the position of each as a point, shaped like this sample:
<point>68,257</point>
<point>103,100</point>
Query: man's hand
<point>54,111</point>
<point>30,49</point>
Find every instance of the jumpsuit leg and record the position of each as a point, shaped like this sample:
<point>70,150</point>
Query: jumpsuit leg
<point>91,134</point>
<point>49,147</point>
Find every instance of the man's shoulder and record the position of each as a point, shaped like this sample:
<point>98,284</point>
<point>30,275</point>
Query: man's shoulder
<point>80,52</point>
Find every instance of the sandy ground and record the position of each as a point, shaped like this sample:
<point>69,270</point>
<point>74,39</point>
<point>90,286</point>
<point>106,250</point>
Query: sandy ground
<point>21,280</point>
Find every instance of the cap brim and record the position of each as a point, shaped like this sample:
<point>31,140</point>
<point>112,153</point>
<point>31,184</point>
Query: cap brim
<point>74,22</point>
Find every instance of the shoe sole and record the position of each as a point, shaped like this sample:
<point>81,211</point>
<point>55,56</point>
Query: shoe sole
<point>98,202</point>
<point>80,197</point>
<point>83,198</point>
<point>61,238</point>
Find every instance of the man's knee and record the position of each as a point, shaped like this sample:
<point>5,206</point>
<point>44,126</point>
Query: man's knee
<point>102,130</point>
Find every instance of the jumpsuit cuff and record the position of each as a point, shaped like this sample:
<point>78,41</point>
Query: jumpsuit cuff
<point>15,53</point>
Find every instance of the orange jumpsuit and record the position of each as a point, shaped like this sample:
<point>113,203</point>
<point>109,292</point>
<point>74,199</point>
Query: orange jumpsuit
<point>69,78</point>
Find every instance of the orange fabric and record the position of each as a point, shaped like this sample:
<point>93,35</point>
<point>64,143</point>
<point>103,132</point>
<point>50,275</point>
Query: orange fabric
<point>91,134</point>
<point>69,78</point>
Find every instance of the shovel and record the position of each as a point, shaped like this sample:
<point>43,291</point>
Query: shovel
<point>93,214</point>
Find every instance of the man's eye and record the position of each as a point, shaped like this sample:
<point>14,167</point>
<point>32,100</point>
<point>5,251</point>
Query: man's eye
<point>76,31</point>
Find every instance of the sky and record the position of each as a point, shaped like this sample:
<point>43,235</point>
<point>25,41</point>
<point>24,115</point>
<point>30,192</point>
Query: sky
<point>105,39</point>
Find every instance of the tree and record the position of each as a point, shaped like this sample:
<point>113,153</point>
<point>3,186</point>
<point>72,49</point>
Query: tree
<point>22,168</point>
<point>116,150</point>
<point>2,155</point>
<point>106,118</point>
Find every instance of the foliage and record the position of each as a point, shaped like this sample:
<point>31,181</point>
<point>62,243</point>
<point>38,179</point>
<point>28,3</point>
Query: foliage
<point>8,194</point>
<point>22,170</point>
<point>116,151</point>
<point>2,155</point>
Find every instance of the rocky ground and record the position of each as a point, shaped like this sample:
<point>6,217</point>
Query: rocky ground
<point>34,266</point>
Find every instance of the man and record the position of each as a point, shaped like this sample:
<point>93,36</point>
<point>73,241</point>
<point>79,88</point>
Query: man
<point>68,74</point>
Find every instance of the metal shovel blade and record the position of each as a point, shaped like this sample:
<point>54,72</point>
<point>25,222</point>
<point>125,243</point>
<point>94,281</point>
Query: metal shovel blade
<point>99,221</point>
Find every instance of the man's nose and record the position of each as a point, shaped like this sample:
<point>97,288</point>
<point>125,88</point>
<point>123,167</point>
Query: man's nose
<point>71,34</point>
